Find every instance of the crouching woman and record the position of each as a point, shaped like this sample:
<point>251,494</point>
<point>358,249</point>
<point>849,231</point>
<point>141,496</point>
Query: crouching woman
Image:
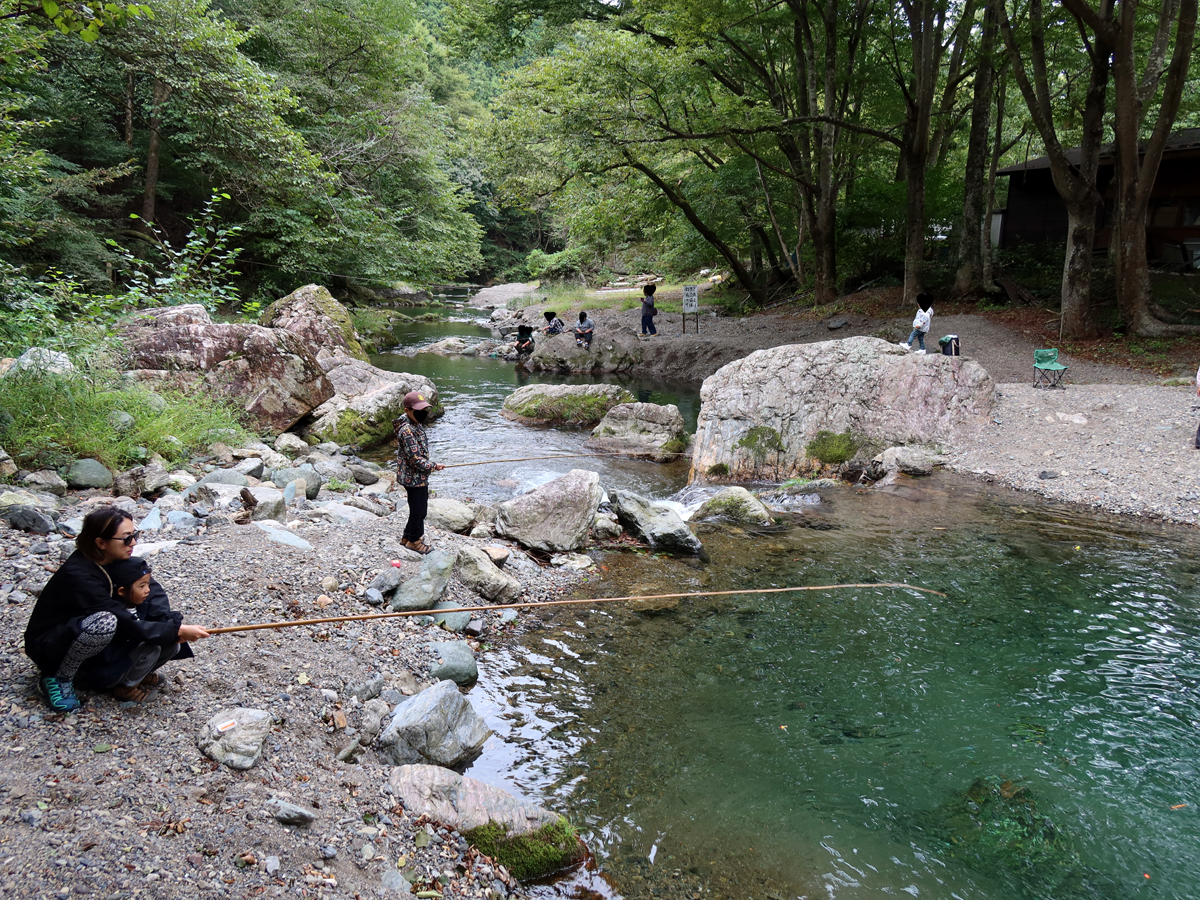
<point>81,628</point>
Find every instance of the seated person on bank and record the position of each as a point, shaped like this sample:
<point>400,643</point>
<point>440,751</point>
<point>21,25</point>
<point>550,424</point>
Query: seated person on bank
<point>583,331</point>
<point>524,340</point>
<point>148,634</point>
<point>554,325</point>
<point>78,615</point>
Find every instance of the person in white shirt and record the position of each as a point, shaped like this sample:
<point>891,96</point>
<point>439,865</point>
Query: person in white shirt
<point>920,322</point>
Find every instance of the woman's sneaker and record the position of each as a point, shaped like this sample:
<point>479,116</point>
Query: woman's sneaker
<point>904,345</point>
<point>59,694</point>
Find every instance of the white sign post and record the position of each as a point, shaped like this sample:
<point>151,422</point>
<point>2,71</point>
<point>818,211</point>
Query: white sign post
<point>691,305</point>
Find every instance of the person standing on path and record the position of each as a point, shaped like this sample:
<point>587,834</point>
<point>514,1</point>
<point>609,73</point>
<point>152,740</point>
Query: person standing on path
<point>648,311</point>
<point>413,466</point>
<point>77,615</point>
<point>921,322</point>
<point>1198,395</point>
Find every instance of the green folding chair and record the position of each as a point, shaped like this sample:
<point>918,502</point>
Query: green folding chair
<point>1047,370</point>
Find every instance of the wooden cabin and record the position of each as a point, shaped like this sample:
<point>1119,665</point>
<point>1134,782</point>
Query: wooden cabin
<point>1035,213</point>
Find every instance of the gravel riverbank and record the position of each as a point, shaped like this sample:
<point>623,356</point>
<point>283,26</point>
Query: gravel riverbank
<point>116,801</point>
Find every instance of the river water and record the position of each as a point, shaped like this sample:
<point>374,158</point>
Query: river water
<point>1033,734</point>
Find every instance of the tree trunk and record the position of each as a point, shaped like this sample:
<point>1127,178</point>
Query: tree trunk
<point>976,213</point>
<point>1137,166</point>
<point>822,220</point>
<point>987,276</point>
<point>681,203</point>
<point>1077,319</point>
<point>149,194</point>
<point>914,243</point>
<point>129,108</point>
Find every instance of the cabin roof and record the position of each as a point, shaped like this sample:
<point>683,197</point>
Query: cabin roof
<point>1185,139</point>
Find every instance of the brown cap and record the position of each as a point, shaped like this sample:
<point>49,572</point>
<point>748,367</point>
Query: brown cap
<point>413,400</point>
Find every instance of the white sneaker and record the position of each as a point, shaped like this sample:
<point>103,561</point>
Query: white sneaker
<point>920,353</point>
<point>904,345</point>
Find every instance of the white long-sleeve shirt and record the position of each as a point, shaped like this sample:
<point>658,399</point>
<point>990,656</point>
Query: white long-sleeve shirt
<point>921,320</point>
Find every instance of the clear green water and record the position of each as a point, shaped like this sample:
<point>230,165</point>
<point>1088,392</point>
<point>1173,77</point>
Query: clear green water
<point>823,744</point>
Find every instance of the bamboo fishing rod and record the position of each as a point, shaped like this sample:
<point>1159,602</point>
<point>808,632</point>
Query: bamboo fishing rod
<point>488,462</point>
<point>363,617</point>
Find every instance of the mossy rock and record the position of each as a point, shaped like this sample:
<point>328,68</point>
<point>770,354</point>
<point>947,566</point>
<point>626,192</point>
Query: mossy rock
<point>551,848</point>
<point>566,404</point>
<point>761,440</point>
<point>996,826</point>
<point>314,298</point>
<point>676,445</point>
<point>833,449</point>
<point>718,470</point>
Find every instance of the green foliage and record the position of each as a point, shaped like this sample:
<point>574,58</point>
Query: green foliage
<point>199,271</point>
<point>62,417</point>
<point>53,311</point>
<point>760,440</point>
<point>565,265</point>
<point>718,470</point>
<point>833,449</point>
<point>336,484</point>
<point>549,849</point>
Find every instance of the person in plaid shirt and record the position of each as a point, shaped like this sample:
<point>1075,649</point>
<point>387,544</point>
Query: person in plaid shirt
<point>413,466</point>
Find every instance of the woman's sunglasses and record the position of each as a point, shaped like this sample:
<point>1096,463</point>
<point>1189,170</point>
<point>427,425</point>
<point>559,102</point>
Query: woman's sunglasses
<point>128,539</point>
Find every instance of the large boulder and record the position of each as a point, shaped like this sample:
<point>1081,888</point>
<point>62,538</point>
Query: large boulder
<point>909,460</point>
<point>450,515</point>
<point>758,414</point>
<point>41,361</point>
<point>477,571</point>
<point>463,803</point>
<point>614,349</point>
<point>554,517</point>
<point>655,523</point>
<point>647,430</point>
<point>437,727</point>
<point>312,314</point>
<point>269,372</point>
<point>366,401</point>
<point>574,404</point>
<point>455,661</point>
<point>734,504</point>
<point>88,473</point>
<point>426,588</point>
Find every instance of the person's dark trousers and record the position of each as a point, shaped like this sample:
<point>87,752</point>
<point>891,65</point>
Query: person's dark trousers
<point>418,506</point>
<point>648,325</point>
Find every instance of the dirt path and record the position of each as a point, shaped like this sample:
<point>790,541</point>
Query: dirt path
<point>1005,353</point>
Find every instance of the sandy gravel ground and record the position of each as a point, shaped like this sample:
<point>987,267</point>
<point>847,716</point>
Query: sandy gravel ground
<point>1122,448</point>
<point>116,800</point>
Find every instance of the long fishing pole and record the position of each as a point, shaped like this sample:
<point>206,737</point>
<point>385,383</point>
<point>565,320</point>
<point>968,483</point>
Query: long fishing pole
<point>473,609</point>
<point>488,462</point>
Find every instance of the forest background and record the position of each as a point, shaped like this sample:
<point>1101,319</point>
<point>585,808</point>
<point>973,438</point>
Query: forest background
<point>228,151</point>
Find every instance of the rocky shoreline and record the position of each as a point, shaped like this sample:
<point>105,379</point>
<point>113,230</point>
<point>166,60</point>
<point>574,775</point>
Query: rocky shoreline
<point>118,801</point>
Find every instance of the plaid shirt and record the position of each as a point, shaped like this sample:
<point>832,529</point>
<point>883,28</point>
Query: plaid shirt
<point>412,453</point>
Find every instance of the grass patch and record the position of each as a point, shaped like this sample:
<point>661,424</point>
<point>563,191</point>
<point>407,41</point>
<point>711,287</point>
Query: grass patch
<point>576,409</point>
<point>549,849</point>
<point>833,449</point>
<point>50,420</point>
<point>760,440</point>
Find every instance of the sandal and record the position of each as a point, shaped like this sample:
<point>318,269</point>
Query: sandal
<point>419,545</point>
<point>126,693</point>
<point>151,680</point>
